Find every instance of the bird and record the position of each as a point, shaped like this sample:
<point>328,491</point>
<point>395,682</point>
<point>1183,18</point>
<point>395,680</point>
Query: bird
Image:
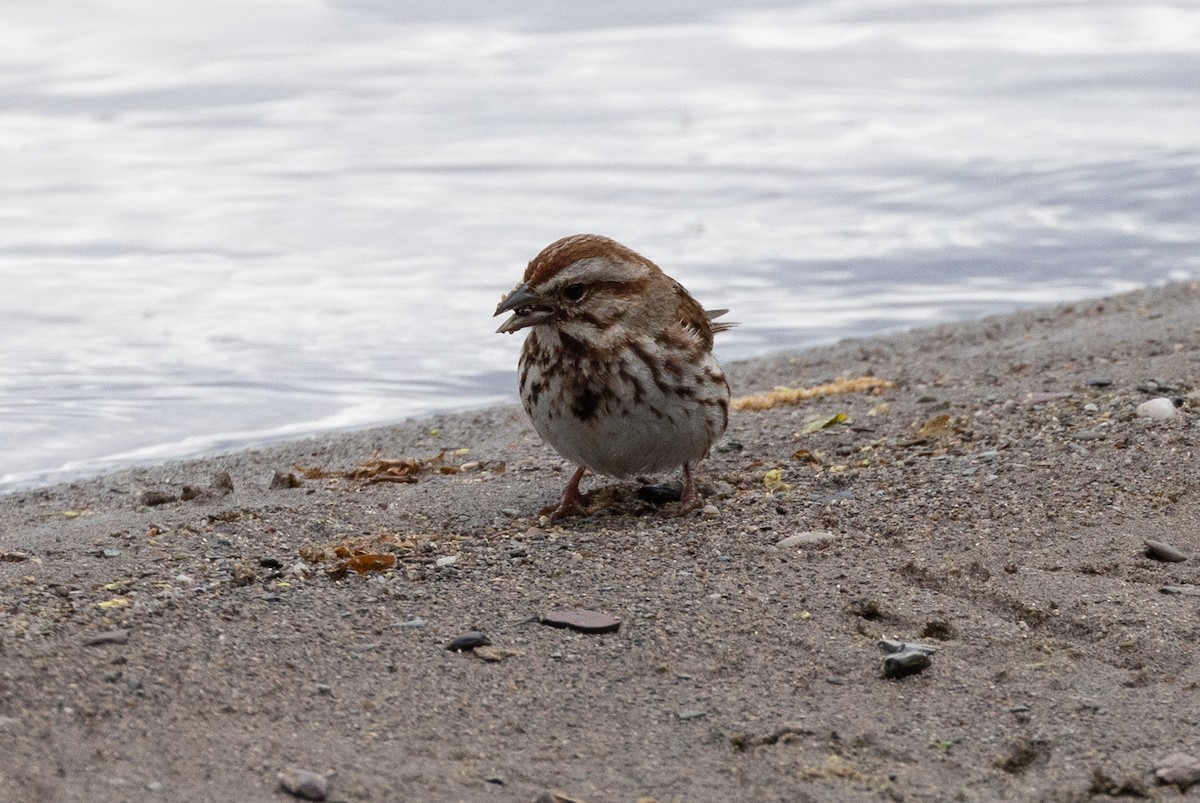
<point>617,372</point>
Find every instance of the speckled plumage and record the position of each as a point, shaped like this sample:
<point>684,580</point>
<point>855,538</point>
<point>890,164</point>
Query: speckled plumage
<point>617,372</point>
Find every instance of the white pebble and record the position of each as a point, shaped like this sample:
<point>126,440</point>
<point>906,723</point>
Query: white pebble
<point>1157,408</point>
<point>446,560</point>
<point>812,539</point>
<point>711,511</point>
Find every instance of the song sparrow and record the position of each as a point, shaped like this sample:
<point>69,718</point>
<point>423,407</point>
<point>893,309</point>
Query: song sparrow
<point>617,371</point>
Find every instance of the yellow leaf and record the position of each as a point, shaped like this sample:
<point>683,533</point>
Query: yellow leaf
<point>71,514</point>
<point>461,452</point>
<point>115,602</point>
<point>826,421</point>
<point>773,481</point>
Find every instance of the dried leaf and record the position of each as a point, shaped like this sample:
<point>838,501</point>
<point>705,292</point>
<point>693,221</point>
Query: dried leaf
<point>379,469</point>
<point>791,396</point>
<point>823,422</point>
<point>806,456</point>
<point>773,481</point>
<point>936,427</point>
<point>115,602</point>
<point>371,563</point>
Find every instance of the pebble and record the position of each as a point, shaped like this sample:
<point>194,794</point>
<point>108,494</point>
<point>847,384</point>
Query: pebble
<point>659,494</point>
<point>694,714</point>
<point>468,641</point>
<point>1181,769</point>
<point>1158,409</point>
<point>411,623</point>
<point>446,560</point>
<point>156,498</point>
<point>282,481</point>
<point>813,539</point>
<point>1164,552</point>
<point>1183,591</point>
<point>710,511</point>
<point>107,637</point>
<point>905,658</point>
<point>582,620</point>
<point>1098,381</point>
<point>305,784</point>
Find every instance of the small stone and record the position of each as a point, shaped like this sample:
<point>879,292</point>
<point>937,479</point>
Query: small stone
<point>325,690</point>
<point>555,797</point>
<point>1158,409</point>
<point>1164,552</point>
<point>154,786</point>
<point>1183,591</point>
<point>446,560</point>
<point>814,539</point>
<point>1045,396</point>
<point>905,658</point>
<point>270,563</point>
<point>1181,769</point>
<point>583,621</point>
<point>111,553</point>
<point>281,481</point>
<point>222,483</point>
<point>693,714</point>
<point>156,498</point>
<point>710,511</point>
<point>411,624</point>
<point>1091,407</point>
<point>1098,381</point>
<point>659,494</point>
<point>468,641</point>
<point>494,779</point>
<point>13,557</point>
<point>305,784</point>
<point>107,637</point>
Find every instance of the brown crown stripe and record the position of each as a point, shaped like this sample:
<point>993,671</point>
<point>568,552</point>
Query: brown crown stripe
<point>570,250</point>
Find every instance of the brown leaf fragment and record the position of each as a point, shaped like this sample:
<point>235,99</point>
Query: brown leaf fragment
<point>792,396</point>
<point>377,469</point>
<point>936,427</point>
<point>494,655</point>
<point>371,563</point>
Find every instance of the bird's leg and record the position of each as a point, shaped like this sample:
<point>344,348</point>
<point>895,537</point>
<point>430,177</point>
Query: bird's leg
<point>572,500</point>
<point>689,500</point>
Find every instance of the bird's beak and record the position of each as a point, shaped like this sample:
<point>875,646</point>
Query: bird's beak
<point>526,307</point>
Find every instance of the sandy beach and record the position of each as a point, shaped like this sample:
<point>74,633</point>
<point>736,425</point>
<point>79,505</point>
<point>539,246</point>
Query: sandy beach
<point>191,631</point>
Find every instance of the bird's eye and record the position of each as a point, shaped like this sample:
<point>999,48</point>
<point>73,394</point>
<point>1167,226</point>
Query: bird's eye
<point>573,292</point>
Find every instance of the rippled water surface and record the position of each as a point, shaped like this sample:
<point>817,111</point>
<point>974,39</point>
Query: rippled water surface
<point>231,222</point>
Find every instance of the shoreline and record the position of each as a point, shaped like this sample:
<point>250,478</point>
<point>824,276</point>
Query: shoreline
<point>992,504</point>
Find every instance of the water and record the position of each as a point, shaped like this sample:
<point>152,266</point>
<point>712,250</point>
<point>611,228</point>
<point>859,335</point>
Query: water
<point>228,223</point>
